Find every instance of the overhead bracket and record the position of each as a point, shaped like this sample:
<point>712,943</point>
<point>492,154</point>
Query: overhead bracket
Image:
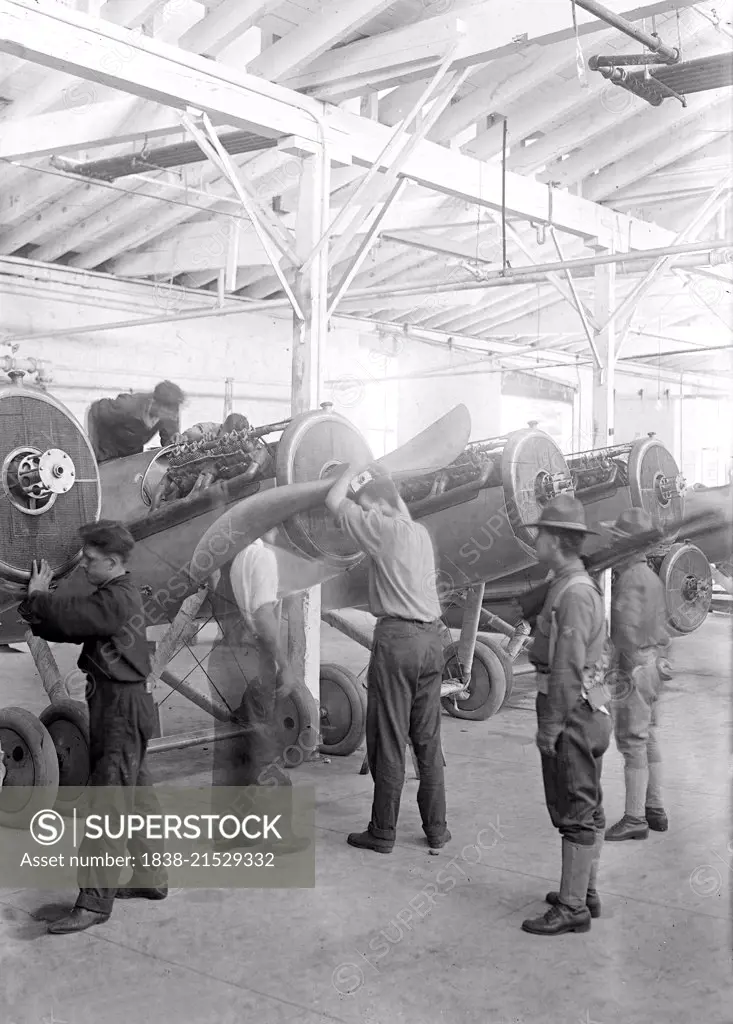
<point>267,228</point>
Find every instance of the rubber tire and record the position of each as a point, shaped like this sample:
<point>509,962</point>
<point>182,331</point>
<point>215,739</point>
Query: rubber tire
<point>356,695</point>
<point>78,714</point>
<point>491,684</point>
<point>45,766</point>
<point>506,661</point>
<point>299,720</point>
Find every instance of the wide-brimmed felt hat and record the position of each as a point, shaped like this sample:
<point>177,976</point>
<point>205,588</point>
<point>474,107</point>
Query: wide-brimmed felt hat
<point>563,513</point>
<point>631,523</point>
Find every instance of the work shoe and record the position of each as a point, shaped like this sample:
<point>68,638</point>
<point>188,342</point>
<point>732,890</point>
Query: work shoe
<point>656,819</point>
<point>438,842</point>
<point>77,921</point>
<point>134,892</point>
<point>367,841</point>
<point>592,901</point>
<point>627,828</point>
<point>558,920</point>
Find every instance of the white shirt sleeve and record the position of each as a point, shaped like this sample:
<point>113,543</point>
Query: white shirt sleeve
<point>262,582</point>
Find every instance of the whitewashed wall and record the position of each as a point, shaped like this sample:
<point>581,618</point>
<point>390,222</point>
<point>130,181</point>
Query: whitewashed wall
<point>698,431</point>
<point>197,354</point>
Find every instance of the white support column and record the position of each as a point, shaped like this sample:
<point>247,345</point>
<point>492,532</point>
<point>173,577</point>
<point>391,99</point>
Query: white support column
<point>603,399</point>
<point>309,338</point>
<point>583,438</point>
<point>677,407</point>
<point>604,383</point>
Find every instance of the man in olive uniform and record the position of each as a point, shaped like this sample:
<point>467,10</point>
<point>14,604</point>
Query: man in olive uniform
<point>574,726</point>
<point>639,636</point>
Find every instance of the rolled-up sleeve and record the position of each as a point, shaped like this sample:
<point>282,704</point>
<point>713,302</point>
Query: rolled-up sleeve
<point>364,528</point>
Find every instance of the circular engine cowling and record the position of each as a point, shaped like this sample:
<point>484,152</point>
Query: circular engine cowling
<point>480,508</point>
<point>688,587</point>
<point>534,471</point>
<point>50,483</point>
<point>640,474</point>
<point>313,446</point>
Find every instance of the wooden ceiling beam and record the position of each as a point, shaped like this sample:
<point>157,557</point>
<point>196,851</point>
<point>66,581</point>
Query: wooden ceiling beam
<point>492,29</point>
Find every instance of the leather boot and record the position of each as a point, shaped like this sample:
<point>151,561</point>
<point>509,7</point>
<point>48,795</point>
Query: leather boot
<point>633,825</point>
<point>367,841</point>
<point>656,819</point>
<point>654,810</point>
<point>570,913</point>
<point>592,899</point>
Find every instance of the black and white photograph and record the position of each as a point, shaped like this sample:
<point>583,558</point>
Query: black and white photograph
<point>366,511</point>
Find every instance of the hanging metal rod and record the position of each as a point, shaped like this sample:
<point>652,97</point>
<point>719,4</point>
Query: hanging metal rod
<point>670,54</point>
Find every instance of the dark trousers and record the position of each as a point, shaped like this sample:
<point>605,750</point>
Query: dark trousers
<point>572,778</point>
<point>403,701</point>
<point>121,722</point>
<point>243,675</point>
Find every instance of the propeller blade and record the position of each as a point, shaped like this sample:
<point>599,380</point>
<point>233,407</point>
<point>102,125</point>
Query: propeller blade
<point>432,449</point>
<point>249,519</point>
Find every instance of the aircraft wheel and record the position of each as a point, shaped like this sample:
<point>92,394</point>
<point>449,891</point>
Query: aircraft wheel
<point>343,711</point>
<point>487,687</point>
<point>298,719</point>
<point>688,588</point>
<point>31,780</point>
<point>506,661</point>
<point>68,725</point>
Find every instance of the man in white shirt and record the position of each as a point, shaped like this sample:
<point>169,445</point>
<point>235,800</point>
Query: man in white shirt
<point>248,668</point>
<point>249,671</point>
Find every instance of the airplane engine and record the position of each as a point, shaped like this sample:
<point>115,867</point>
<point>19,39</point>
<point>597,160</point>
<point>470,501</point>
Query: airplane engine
<point>49,479</point>
<point>314,446</point>
<point>640,474</point>
<point>492,491</point>
<point>644,474</point>
<point>489,494</point>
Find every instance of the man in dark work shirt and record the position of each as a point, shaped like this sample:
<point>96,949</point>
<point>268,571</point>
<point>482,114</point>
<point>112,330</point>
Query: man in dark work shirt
<point>122,426</point>
<point>110,623</point>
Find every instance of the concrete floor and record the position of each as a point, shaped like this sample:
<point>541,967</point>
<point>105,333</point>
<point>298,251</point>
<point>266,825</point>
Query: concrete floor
<point>351,950</point>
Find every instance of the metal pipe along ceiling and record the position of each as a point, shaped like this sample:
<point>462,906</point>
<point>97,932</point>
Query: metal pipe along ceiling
<point>652,43</point>
<point>176,155</point>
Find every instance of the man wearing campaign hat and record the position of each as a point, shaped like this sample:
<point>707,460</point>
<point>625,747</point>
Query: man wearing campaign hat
<point>639,635</point>
<point>573,723</point>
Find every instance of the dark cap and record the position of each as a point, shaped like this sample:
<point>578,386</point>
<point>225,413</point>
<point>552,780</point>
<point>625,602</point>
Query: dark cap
<point>563,513</point>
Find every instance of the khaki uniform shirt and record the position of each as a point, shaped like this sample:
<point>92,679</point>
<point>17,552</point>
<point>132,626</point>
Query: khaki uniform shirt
<point>401,564</point>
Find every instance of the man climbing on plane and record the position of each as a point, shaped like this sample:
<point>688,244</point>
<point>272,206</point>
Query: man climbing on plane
<point>122,426</point>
